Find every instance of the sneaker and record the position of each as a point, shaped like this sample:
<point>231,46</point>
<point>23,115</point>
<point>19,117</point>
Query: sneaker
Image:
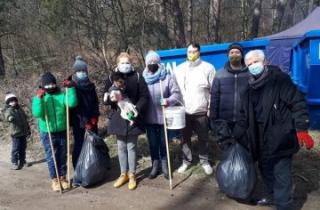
<point>132,182</point>
<point>207,168</point>
<point>64,183</point>
<point>55,185</point>
<point>121,180</point>
<point>183,168</point>
<point>14,166</point>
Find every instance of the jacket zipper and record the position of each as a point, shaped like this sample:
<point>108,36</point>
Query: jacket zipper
<point>235,97</point>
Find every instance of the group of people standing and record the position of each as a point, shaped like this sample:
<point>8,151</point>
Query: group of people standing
<point>265,111</point>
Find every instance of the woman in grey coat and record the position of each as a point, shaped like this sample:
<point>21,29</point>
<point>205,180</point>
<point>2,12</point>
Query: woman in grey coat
<point>153,73</point>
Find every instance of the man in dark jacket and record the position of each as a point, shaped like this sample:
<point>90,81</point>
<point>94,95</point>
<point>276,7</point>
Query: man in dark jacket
<point>227,85</point>
<point>85,114</point>
<point>276,121</point>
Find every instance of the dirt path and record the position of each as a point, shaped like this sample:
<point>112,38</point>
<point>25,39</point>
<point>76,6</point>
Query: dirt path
<point>30,189</point>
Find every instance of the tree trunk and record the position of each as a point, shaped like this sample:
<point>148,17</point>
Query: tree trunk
<point>189,21</point>
<point>245,19</point>
<point>2,69</point>
<point>290,12</point>
<point>255,19</point>
<point>177,13</point>
<point>310,6</point>
<point>214,15</point>
<point>281,5</point>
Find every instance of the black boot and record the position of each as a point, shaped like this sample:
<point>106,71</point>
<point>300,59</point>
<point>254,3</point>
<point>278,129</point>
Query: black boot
<point>164,167</point>
<point>155,169</point>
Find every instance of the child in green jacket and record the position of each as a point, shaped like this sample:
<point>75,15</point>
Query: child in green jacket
<point>50,105</point>
<point>19,130</point>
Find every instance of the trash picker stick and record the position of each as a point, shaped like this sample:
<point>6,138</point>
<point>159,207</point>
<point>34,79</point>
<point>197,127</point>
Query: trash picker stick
<point>166,138</point>
<point>52,149</point>
<point>68,138</point>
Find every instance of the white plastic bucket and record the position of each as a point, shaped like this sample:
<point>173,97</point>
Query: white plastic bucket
<point>175,117</point>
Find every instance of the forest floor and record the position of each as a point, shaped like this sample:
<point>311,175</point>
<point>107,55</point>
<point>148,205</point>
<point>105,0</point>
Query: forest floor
<point>30,189</point>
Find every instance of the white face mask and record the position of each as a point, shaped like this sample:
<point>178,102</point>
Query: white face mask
<point>51,86</point>
<point>125,68</point>
<point>13,103</point>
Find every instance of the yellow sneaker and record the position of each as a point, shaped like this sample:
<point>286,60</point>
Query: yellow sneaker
<point>121,180</point>
<point>55,185</point>
<point>64,183</point>
<point>132,182</point>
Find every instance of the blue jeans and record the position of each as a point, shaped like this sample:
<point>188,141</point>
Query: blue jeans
<point>60,146</point>
<point>18,151</point>
<point>157,145</point>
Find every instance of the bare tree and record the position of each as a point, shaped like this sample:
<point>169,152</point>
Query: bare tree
<point>255,19</point>
<point>280,8</point>
<point>290,11</point>
<point>2,68</point>
<point>213,22</point>
<point>177,13</point>
<point>189,21</point>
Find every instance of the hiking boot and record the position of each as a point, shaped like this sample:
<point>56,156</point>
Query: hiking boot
<point>207,168</point>
<point>14,166</point>
<point>55,185</point>
<point>183,168</point>
<point>64,183</point>
<point>155,169</point>
<point>121,180</point>
<point>164,167</point>
<point>132,182</point>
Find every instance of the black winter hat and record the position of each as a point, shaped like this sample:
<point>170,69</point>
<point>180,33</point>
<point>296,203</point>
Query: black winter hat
<point>235,45</point>
<point>80,65</point>
<point>47,78</point>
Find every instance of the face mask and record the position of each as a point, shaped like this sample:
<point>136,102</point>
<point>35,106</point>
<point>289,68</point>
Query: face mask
<point>81,75</point>
<point>50,88</point>
<point>125,68</point>
<point>235,59</point>
<point>13,103</point>
<point>153,67</point>
<point>256,68</point>
<point>192,57</point>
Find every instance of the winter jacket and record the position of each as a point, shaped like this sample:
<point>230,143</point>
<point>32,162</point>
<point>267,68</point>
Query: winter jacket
<point>284,110</point>
<point>225,93</point>
<point>195,81</point>
<point>18,121</point>
<point>88,105</point>
<point>171,93</point>
<point>137,91</point>
<point>54,106</point>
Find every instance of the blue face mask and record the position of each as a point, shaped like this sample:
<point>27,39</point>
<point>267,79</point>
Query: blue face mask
<point>81,75</point>
<point>256,68</point>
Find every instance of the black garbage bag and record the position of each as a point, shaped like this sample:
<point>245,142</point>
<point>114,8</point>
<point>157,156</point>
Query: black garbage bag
<point>235,174</point>
<point>93,163</point>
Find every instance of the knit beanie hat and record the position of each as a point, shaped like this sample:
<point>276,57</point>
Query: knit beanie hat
<point>10,97</point>
<point>47,78</point>
<point>235,45</point>
<point>80,65</point>
<point>152,56</point>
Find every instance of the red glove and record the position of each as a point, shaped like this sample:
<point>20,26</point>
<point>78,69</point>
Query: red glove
<point>89,126</point>
<point>67,83</point>
<point>40,93</point>
<point>305,139</point>
<point>94,121</point>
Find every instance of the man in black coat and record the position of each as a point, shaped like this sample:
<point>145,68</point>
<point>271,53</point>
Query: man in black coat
<point>227,85</point>
<point>275,119</point>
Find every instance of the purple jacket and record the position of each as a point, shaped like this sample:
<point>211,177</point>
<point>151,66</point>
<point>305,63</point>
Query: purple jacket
<point>171,93</point>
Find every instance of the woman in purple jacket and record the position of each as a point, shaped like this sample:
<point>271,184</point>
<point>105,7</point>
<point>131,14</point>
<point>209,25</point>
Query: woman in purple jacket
<point>153,73</point>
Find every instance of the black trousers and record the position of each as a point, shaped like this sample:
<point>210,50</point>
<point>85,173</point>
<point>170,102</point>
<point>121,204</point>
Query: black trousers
<point>276,174</point>
<point>18,150</point>
<point>199,125</point>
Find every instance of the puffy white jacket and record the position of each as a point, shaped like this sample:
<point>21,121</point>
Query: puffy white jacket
<point>195,82</point>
